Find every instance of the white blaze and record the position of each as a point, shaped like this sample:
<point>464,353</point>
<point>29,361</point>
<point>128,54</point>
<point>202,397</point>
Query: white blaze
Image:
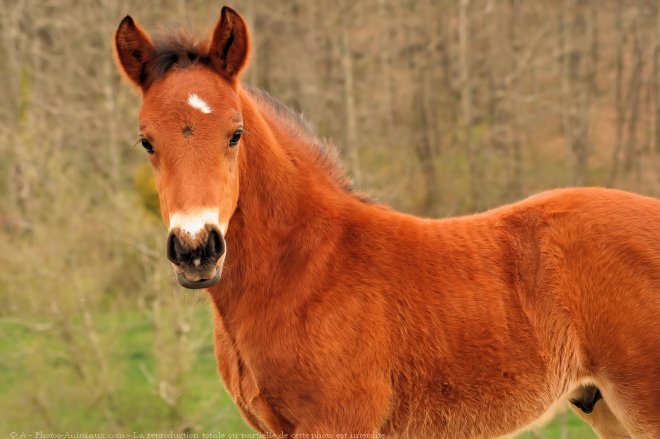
<point>198,103</point>
<point>194,222</point>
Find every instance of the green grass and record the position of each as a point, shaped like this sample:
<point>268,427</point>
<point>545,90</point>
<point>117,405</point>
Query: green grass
<point>576,429</point>
<point>41,390</point>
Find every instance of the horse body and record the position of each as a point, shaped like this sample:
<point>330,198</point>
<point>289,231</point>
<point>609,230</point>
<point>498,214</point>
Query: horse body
<point>463,327</point>
<point>335,315</point>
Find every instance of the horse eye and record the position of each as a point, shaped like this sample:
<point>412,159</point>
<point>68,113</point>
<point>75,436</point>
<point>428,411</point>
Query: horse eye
<point>235,138</point>
<point>147,146</point>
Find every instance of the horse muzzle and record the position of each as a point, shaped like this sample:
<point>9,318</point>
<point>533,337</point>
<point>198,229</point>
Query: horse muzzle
<point>197,259</point>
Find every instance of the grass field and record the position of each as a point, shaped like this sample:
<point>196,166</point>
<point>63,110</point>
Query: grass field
<point>41,389</point>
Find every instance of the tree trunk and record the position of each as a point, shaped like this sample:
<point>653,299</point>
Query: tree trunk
<point>631,148</point>
<point>466,103</point>
<point>253,68</point>
<point>385,67</point>
<point>349,103</point>
<point>515,179</point>
<point>426,149</point>
<point>656,79</point>
<point>618,94</point>
<point>576,85</point>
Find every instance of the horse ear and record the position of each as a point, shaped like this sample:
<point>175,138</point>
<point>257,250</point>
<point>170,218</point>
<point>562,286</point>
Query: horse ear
<point>230,46</point>
<point>133,49</point>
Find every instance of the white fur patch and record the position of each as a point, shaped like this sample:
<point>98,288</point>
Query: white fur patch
<point>194,222</point>
<point>198,103</point>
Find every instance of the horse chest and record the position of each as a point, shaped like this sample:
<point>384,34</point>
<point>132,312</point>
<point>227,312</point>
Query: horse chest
<point>249,395</point>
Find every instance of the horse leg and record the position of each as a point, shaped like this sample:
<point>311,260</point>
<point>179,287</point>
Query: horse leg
<point>272,420</point>
<point>635,405</point>
<point>324,431</point>
<point>630,398</point>
<point>628,369</point>
<point>589,405</point>
<point>349,421</point>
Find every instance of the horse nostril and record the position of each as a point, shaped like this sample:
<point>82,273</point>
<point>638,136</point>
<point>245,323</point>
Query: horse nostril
<point>196,255</point>
<point>174,249</point>
<point>215,246</point>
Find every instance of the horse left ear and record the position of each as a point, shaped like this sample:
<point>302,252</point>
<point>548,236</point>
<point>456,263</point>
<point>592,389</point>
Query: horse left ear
<point>230,46</point>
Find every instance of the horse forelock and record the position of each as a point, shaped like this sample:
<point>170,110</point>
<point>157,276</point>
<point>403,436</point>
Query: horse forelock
<point>178,48</point>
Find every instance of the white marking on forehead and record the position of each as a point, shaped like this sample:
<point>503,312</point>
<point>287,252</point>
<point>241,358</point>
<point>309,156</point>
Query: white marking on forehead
<point>198,103</point>
<point>194,222</point>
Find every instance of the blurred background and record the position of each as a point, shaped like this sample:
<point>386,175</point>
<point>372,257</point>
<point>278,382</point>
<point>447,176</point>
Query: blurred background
<point>438,108</point>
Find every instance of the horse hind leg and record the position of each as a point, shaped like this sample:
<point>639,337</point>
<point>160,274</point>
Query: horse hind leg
<point>588,403</point>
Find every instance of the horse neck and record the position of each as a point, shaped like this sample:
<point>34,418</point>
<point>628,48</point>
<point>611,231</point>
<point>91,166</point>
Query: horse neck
<point>287,221</point>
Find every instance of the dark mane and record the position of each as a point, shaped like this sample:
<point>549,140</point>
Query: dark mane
<point>324,153</point>
<point>182,50</point>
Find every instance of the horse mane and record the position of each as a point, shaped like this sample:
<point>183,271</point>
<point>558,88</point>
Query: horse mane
<point>324,153</point>
<point>180,49</point>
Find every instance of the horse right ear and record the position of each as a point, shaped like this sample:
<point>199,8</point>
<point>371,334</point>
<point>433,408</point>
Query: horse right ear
<point>133,49</point>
